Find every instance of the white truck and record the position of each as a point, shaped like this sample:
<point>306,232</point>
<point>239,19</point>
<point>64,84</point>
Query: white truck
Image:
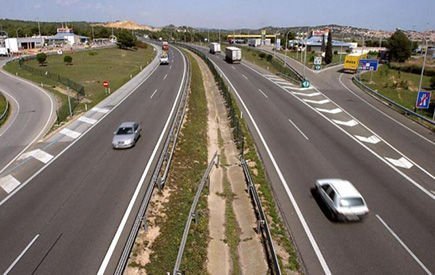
<point>164,58</point>
<point>255,42</point>
<point>233,55</point>
<point>4,51</point>
<point>215,48</point>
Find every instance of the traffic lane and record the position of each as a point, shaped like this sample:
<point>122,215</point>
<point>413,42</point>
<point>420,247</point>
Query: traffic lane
<point>32,115</point>
<point>273,122</point>
<point>78,175</point>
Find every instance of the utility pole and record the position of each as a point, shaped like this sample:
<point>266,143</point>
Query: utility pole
<point>422,71</point>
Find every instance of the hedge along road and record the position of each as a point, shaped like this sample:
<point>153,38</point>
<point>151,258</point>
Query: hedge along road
<point>31,116</point>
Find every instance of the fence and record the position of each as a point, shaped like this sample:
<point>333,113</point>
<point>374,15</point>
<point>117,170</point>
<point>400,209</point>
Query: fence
<point>407,111</point>
<point>53,76</point>
<point>192,213</point>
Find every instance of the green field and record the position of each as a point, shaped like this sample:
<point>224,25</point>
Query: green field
<point>400,87</point>
<point>89,68</point>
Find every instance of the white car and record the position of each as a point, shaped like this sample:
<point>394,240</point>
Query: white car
<point>342,199</point>
<point>164,59</point>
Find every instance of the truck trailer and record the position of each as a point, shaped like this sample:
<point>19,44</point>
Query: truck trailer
<point>215,48</point>
<point>165,46</point>
<point>255,42</point>
<point>233,55</point>
<point>351,62</point>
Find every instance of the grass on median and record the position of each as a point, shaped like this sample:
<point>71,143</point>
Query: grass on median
<point>3,104</point>
<point>188,167</point>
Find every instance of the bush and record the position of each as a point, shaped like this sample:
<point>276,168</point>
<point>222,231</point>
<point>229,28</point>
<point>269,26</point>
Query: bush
<point>335,52</point>
<point>262,55</point>
<point>67,59</point>
<point>141,45</point>
<point>432,82</point>
<point>41,58</point>
<point>92,53</point>
<point>269,57</point>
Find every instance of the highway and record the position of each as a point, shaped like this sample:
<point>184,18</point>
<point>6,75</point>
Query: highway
<point>33,113</point>
<point>75,213</point>
<point>329,132</point>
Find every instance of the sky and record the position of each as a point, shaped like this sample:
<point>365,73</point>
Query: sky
<point>232,14</point>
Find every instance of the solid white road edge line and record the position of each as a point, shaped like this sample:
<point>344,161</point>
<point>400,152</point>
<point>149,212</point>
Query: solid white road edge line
<point>76,140</point>
<point>115,239</point>
<point>432,196</point>
<point>297,128</point>
<point>403,245</point>
<point>43,128</point>
<point>284,183</point>
<point>21,255</point>
<point>384,114</point>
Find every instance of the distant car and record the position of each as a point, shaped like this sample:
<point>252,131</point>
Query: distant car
<point>342,199</point>
<point>164,59</point>
<point>126,135</point>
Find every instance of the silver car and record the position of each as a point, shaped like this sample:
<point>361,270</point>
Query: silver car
<point>126,135</point>
<point>344,202</point>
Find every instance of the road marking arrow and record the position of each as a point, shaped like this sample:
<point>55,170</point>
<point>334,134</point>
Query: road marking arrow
<point>373,139</point>
<point>402,162</point>
<point>320,102</point>
<point>333,111</point>
<point>309,95</point>
<point>349,123</point>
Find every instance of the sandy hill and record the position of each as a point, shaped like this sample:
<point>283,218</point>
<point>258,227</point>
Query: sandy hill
<point>129,25</point>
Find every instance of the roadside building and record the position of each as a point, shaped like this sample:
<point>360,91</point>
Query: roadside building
<point>15,45</point>
<point>66,36</point>
<point>314,42</point>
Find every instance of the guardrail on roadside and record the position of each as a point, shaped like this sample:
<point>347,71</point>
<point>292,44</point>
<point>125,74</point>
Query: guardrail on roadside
<point>159,177</point>
<point>192,213</point>
<point>407,111</point>
<point>262,225</point>
<point>3,115</point>
<point>277,56</point>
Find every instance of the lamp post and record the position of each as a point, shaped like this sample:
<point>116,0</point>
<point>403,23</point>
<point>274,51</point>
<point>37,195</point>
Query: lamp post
<point>286,46</point>
<point>305,55</point>
<point>17,31</point>
<point>422,71</point>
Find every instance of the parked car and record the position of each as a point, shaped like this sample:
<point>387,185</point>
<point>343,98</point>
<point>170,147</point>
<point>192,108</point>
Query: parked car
<point>126,135</point>
<point>344,202</point>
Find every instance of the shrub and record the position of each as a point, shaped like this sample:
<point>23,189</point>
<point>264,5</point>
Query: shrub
<point>269,57</point>
<point>92,53</point>
<point>141,45</point>
<point>41,58</point>
<point>262,55</point>
<point>432,82</point>
<point>67,59</point>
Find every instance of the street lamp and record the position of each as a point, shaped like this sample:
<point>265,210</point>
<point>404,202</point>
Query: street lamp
<point>17,31</point>
<point>305,55</point>
<point>286,41</point>
<point>422,70</point>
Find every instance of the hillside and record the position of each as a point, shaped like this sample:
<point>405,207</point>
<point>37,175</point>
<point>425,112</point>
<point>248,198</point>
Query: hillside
<point>129,25</point>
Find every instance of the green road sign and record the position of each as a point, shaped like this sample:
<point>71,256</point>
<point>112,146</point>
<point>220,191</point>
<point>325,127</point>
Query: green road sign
<point>317,67</point>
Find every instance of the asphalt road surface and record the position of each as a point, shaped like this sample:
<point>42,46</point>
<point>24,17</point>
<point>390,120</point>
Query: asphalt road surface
<point>65,219</point>
<point>32,115</point>
<point>329,132</point>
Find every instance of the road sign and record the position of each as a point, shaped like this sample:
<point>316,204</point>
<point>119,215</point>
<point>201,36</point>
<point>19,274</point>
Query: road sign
<point>317,60</point>
<point>305,84</point>
<point>423,100</point>
<point>106,84</point>
<point>317,67</point>
<point>368,64</point>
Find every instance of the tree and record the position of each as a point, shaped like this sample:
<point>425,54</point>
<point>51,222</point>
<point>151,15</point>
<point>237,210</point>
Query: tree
<point>67,59</point>
<point>432,82</point>
<point>400,46</point>
<point>41,58</point>
<point>328,51</point>
<point>125,39</point>
<point>323,44</point>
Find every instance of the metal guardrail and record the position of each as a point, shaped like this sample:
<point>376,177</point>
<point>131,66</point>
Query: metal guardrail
<point>262,225</point>
<point>2,116</point>
<point>277,56</point>
<point>158,178</point>
<point>192,212</point>
<point>377,94</point>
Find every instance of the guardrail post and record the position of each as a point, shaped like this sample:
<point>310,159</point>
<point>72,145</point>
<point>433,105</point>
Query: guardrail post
<point>144,223</point>
<point>194,217</point>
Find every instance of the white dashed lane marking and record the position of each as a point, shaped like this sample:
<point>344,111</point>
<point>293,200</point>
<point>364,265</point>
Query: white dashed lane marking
<point>402,162</point>
<point>87,120</point>
<point>70,133</point>
<point>349,123</point>
<point>332,111</point>
<point>38,154</point>
<point>262,93</point>
<point>9,183</point>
